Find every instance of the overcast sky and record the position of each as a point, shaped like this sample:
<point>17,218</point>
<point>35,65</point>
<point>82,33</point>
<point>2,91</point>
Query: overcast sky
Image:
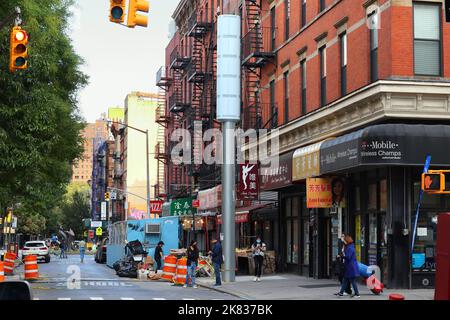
<point>118,60</point>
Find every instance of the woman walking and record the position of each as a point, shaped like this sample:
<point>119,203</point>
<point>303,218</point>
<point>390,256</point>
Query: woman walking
<point>351,267</point>
<point>258,249</point>
<point>192,257</point>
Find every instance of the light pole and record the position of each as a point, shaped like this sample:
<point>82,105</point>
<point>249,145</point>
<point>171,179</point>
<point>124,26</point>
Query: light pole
<point>147,161</point>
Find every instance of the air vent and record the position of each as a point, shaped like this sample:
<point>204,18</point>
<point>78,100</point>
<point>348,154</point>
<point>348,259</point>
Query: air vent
<point>152,228</point>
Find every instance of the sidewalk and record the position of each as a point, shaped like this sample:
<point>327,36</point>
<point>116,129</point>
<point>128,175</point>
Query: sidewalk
<point>293,287</point>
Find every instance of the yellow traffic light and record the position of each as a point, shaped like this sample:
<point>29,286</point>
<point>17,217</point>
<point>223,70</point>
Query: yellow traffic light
<point>117,11</point>
<point>18,49</point>
<point>135,19</point>
<point>433,182</point>
<point>9,217</point>
<point>106,196</point>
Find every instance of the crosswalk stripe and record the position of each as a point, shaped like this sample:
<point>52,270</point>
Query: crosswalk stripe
<point>96,298</point>
<point>159,298</point>
<point>35,298</point>
<point>64,298</point>
<point>125,298</point>
<point>188,299</point>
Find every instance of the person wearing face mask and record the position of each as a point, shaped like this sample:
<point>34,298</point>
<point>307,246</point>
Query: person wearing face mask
<point>340,265</point>
<point>258,249</point>
<point>351,267</point>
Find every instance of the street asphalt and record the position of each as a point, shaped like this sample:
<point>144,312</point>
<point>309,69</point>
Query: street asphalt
<point>58,280</point>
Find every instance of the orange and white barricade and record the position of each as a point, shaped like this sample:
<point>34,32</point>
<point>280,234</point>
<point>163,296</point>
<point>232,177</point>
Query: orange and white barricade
<point>31,268</point>
<point>2,272</point>
<point>169,268</point>
<point>180,277</point>
<point>8,263</point>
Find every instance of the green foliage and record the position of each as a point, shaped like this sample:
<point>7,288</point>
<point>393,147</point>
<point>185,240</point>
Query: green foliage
<point>40,122</point>
<point>74,211</point>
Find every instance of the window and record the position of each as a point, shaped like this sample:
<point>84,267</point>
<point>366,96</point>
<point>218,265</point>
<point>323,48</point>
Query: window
<point>287,14</point>
<point>286,96</point>
<point>343,41</point>
<point>272,27</point>
<point>273,113</point>
<point>373,19</point>
<point>427,39</point>
<point>303,71</point>
<point>321,5</point>
<point>323,76</point>
<point>303,13</point>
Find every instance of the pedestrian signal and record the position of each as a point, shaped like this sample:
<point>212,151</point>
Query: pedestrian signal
<point>18,49</point>
<point>433,182</point>
<point>117,11</point>
<point>135,19</point>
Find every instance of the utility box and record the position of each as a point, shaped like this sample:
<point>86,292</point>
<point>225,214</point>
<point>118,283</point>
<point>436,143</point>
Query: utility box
<point>442,285</point>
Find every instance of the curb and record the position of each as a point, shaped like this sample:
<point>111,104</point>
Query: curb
<point>224,291</point>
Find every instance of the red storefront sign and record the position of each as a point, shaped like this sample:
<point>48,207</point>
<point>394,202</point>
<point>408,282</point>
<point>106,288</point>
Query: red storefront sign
<point>156,206</point>
<point>195,203</point>
<point>91,234</point>
<point>248,181</point>
<point>238,218</point>
<point>278,174</point>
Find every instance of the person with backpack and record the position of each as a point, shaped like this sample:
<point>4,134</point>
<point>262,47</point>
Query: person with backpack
<point>192,258</point>
<point>258,249</point>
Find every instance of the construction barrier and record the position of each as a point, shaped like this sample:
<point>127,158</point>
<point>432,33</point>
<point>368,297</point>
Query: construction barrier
<point>2,272</point>
<point>31,268</point>
<point>180,277</point>
<point>170,267</point>
<point>8,262</point>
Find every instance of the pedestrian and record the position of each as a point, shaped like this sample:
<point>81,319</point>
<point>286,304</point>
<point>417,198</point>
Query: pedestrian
<point>62,255</point>
<point>192,257</point>
<point>351,267</point>
<point>258,249</point>
<point>217,260</point>
<point>340,265</point>
<point>82,246</point>
<point>159,255</point>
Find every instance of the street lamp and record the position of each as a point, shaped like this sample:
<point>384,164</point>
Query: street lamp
<point>147,159</point>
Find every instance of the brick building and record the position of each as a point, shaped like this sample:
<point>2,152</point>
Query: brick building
<point>358,92</point>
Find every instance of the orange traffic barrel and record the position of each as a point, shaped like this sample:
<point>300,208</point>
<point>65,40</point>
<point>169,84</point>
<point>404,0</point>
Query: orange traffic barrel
<point>396,296</point>
<point>170,267</point>
<point>8,262</point>
<point>2,272</point>
<point>31,268</point>
<point>180,277</point>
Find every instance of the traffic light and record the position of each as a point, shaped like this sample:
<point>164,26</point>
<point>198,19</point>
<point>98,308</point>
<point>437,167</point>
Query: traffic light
<point>117,11</point>
<point>433,182</point>
<point>106,196</point>
<point>135,19</point>
<point>18,49</point>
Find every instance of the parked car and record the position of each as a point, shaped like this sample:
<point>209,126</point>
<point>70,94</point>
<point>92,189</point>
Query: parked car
<point>100,255</point>
<point>37,248</point>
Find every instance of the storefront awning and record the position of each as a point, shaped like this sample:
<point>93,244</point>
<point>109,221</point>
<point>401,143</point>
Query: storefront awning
<point>306,162</point>
<point>251,208</point>
<point>387,144</point>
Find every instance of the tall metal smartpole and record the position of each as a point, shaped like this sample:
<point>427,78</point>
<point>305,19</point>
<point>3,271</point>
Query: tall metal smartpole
<point>228,112</point>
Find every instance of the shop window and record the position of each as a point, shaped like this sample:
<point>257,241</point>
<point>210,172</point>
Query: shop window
<point>428,200</point>
<point>425,244</point>
<point>306,242</point>
<point>295,206</point>
<point>357,198</point>
<point>288,207</point>
<point>383,195</point>
<point>295,242</point>
<point>289,241</point>
<point>372,204</point>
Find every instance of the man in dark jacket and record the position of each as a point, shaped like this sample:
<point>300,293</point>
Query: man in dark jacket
<point>158,255</point>
<point>192,258</point>
<point>217,259</point>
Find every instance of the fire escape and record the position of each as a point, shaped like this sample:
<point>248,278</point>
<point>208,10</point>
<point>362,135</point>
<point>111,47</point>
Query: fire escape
<point>199,76</point>
<point>163,81</point>
<point>257,51</point>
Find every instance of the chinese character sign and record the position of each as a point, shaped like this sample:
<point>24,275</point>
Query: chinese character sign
<point>182,207</point>
<point>248,181</point>
<point>318,193</point>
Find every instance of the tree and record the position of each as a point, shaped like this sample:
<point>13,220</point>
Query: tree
<point>74,211</point>
<point>40,123</point>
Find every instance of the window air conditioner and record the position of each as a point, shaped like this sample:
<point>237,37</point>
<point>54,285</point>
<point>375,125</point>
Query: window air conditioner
<point>152,228</point>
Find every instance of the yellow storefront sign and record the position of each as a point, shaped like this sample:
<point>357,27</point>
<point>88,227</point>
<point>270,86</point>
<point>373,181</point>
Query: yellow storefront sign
<point>318,193</point>
<point>306,162</point>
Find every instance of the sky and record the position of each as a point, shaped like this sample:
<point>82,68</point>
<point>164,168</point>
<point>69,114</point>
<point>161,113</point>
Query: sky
<point>118,60</point>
